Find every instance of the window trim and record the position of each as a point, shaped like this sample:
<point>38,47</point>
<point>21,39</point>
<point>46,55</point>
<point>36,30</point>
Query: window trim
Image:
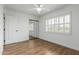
<point>69,33</point>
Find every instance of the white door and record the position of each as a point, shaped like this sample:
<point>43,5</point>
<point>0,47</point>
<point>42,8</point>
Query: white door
<point>10,29</point>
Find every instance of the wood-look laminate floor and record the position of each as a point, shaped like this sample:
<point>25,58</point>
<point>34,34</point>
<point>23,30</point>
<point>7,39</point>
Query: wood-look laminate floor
<point>37,47</point>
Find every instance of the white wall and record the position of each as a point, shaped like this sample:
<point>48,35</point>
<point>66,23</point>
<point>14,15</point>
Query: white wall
<point>17,26</point>
<point>1,29</point>
<point>71,40</point>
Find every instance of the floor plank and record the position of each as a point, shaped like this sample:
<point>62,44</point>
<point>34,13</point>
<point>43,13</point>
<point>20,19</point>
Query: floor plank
<point>37,47</point>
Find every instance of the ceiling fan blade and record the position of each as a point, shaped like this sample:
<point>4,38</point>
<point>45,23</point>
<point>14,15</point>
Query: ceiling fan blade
<point>45,9</point>
<point>32,9</point>
<point>38,5</point>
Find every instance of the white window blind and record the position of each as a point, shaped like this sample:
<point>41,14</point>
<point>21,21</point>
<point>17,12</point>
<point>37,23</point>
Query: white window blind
<point>60,24</point>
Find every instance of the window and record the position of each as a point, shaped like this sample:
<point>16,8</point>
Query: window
<point>59,24</point>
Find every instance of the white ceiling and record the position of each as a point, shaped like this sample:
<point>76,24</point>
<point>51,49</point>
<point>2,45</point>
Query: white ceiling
<point>30,8</point>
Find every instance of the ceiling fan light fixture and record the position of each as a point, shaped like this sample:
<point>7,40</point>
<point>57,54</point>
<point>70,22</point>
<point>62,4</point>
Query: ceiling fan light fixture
<point>39,9</point>
<point>38,5</point>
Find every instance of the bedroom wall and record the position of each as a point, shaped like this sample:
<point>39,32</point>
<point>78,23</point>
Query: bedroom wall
<point>17,26</point>
<point>68,40</point>
<point>1,29</point>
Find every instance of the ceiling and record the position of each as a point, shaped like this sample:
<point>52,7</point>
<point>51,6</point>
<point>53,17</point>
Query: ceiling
<point>30,8</point>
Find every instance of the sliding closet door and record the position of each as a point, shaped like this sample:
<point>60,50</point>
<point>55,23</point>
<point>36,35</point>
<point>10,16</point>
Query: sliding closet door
<point>33,28</point>
<point>36,29</point>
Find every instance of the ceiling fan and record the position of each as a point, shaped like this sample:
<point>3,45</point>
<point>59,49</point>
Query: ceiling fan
<point>39,8</point>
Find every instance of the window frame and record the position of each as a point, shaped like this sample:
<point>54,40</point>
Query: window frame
<point>70,32</point>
